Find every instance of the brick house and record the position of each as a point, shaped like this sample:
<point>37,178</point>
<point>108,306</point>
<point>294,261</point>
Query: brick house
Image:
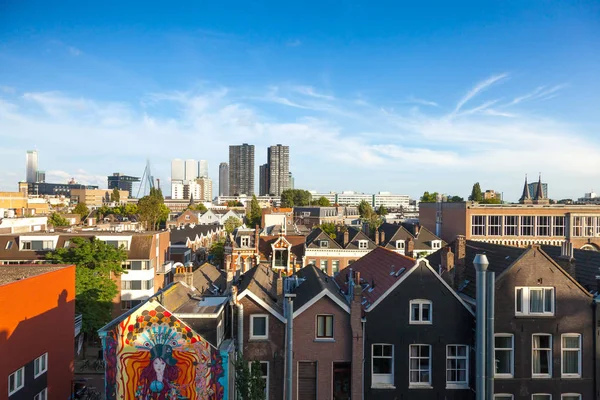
<point>408,239</point>
<point>328,348</point>
<point>544,322</point>
<point>418,334</point>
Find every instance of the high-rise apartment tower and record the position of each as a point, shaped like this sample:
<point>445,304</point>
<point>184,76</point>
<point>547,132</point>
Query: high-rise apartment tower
<point>241,169</point>
<point>223,179</point>
<point>31,166</point>
<point>278,161</point>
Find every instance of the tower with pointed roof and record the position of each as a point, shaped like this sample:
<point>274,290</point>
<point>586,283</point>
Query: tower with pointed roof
<point>539,197</point>
<point>526,196</point>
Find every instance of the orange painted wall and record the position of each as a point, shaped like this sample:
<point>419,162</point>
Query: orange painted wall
<point>38,317</point>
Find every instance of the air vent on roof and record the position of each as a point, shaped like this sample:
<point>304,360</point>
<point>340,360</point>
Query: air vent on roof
<point>507,257</point>
<point>392,272</point>
<point>364,301</point>
<point>400,271</point>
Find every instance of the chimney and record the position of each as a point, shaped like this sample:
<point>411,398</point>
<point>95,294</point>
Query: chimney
<point>184,274</point>
<point>376,238</point>
<point>189,275</point>
<point>567,259</point>
<point>409,248</point>
<point>346,237</point>
<point>256,237</point>
<point>447,266</point>
<point>460,252</point>
<point>382,238</point>
<point>356,326</point>
<point>416,229</point>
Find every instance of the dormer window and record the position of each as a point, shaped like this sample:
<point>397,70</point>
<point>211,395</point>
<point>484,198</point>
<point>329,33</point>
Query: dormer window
<point>420,312</point>
<point>363,244</point>
<point>436,244</point>
<point>245,241</point>
<point>400,244</point>
<point>324,243</point>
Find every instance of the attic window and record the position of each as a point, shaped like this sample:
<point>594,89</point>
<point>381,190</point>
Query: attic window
<point>324,243</point>
<point>245,241</point>
<point>436,244</point>
<point>362,244</point>
<point>400,244</point>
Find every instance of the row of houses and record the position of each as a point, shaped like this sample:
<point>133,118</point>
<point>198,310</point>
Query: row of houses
<point>387,327</point>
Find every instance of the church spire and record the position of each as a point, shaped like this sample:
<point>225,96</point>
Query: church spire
<point>526,196</point>
<point>539,193</point>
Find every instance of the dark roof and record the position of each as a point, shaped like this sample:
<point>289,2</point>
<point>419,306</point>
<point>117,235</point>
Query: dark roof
<point>526,195</point>
<point>587,266</point>
<point>422,240</point>
<point>313,281</point>
<point>262,281</point>
<point>207,278</point>
<point>180,235</point>
<point>376,273</point>
<point>312,240</point>
<point>297,242</point>
<point>354,235</point>
<point>15,273</point>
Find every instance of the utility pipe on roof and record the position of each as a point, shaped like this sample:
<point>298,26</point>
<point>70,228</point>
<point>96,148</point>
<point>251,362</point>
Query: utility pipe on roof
<point>289,362</point>
<point>491,358</point>
<point>481,264</point>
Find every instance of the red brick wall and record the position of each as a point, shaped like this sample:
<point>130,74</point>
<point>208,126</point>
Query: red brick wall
<point>39,317</point>
<point>324,353</point>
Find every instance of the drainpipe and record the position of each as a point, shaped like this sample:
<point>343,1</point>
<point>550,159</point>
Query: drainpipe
<point>240,317</point>
<point>289,361</point>
<point>481,263</point>
<point>364,323</point>
<point>491,357</point>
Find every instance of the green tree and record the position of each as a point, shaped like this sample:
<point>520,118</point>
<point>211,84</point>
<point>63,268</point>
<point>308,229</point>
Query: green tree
<point>82,210</point>
<point>495,200</point>
<point>429,197</point>
<point>254,215</point>
<point>115,195</point>
<point>95,261</point>
<point>476,194</point>
<point>231,223</point>
<point>323,202</point>
<point>103,211</point>
<point>455,199</point>
<point>369,216</point>
<point>382,211</point>
<point>216,252</point>
<point>329,228</point>
<point>364,209</point>
<point>57,220</point>
<point>152,209</point>
<point>295,198</point>
<point>248,379</point>
<point>198,207</point>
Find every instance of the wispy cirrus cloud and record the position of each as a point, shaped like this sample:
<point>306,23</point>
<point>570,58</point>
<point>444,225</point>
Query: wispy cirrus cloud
<point>416,100</point>
<point>480,87</point>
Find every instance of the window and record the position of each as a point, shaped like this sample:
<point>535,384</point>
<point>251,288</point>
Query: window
<point>244,241</point>
<point>324,326</point>
<point>129,304</point>
<point>9,245</point>
<point>420,312</point>
<point>25,245</point>
<point>335,267</point>
<point>323,243</point>
<point>541,355</point>
<point>577,226</point>
<point>527,225</point>
<point>457,366</point>
<point>504,355</point>
<point>543,226</point>
<point>67,244</point>
<point>571,355</point>
<point>588,226</point>
<point>259,326</point>
<point>147,285</point>
<point>324,266</point>
<point>382,361</point>
<point>187,217</point>
<point>597,226</point>
<point>140,265</point>
<point>126,285</point>
<point>419,365</point>
<point>313,262</point>
<point>40,365</point>
<point>511,225</point>
<point>478,225</point>
<point>558,226</point>
<point>495,225</point>
<point>400,244</point>
<point>534,301</point>
<point>16,381</point>
<point>570,396</point>
<point>436,244</point>
<point>541,396</point>
<point>503,396</point>
<point>43,395</point>
<point>362,244</point>
<point>264,368</point>
<point>117,243</point>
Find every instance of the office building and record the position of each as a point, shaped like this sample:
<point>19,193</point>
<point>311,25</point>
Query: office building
<point>278,161</point>
<point>31,166</point>
<point>122,182</point>
<point>191,170</point>
<point>177,190</point>
<point>177,170</point>
<point>51,189</point>
<point>241,169</point>
<point>263,179</point>
<point>202,169</point>
<point>41,176</point>
<point>223,179</point>
<point>96,197</point>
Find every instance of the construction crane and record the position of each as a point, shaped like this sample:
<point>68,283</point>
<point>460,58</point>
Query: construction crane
<point>147,181</point>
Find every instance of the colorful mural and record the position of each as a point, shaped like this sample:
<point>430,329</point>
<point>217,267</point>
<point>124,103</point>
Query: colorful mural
<point>152,355</point>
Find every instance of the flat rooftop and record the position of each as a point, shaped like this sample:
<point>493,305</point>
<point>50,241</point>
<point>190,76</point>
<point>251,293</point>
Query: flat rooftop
<point>13,273</point>
<point>204,305</point>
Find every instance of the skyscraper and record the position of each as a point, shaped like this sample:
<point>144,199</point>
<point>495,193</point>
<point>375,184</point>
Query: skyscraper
<point>223,179</point>
<point>177,170</point>
<point>191,170</point>
<point>263,179</point>
<point>241,169</point>
<point>122,182</point>
<point>31,166</point>
<point>206,185</point>
<point>278,160</point>
<point>202,169</point>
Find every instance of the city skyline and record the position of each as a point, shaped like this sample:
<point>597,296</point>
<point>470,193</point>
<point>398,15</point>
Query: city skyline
<point>447,96</point>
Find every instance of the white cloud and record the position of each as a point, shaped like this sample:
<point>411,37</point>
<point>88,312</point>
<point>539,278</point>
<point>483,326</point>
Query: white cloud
<point>480,87</point>
<point>416,100</point>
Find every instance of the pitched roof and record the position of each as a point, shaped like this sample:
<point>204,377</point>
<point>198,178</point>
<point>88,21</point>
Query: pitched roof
<point>312,240</point>
<point>265,243</point>
<point>312,283</point>
<point>354,235</point>
<point>422,240</point>
<point>376,273</point>
<point>261,281</point>
<point>526,195</point>
<point>207,278</point>
<point>181,235</point>
<point>587,266</point>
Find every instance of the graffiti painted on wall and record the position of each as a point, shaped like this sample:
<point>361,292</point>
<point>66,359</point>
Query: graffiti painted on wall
<point>152,355</point>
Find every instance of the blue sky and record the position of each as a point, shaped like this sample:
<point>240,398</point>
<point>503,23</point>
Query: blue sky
<point>370,97</point>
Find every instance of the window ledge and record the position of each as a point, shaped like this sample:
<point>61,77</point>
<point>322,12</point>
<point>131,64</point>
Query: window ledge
<point>258,339</point>
<point>503,376</point>
<point>420,323</point>
<point>568,376</point>
<point>329,340</point>
<point>457,386</point>
<point>382,386</point>
<point>413,386</point>
<point>534,315</point>
<point>541,377</point>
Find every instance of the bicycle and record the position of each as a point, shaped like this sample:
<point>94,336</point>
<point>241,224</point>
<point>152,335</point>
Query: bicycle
<point>84,365</point>
<point>99,365</point>
<point>93,394</point>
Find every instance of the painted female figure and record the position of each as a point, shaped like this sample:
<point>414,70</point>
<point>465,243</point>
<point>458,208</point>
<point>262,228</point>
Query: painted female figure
<point>157,380</point>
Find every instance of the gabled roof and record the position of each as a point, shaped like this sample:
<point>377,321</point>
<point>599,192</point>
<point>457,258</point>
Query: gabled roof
<point>265,243</point>
<point>259,283</point>
<point>313,239</point>
<point>354,235</point>
<point>207,278</point>
<point>587,266</point>
<point>182,234</point>
<point>314,284</point>
<point>422,240</point>
<point>376,273</point>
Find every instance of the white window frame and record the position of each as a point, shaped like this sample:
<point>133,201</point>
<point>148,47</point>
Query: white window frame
<point>511,225</point>
<point>495,225</point>
<point>558,225</point>
<point>40,365</point>
<point>436,244</point>
<point>410,357</point>
<point>512,355</point>
<point>245,241</point>
<point>503,396</point>
<point>562,353</point>
<point>382,380</point>
<point>525,293</point>
<point>21,372</point>
<point>317,337</point>
<point>363,244</point>
<point>400,244</point>
<point>324,244</point>
<point>543,222</point>
<point>420,321</point>
<point>265,377</point>
<point>43,395</point>
<point>564,395</point>
<point>548,396</point>
<point>550,359</point>
<point>527,225</point>
<point>259,337</point>
<point>458,384</point>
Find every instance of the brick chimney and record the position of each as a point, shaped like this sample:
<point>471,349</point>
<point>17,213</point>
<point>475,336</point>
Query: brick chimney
<point>567,259</point>
<point>460,253</point>
<point>416,229</point>
<point>256,237</point>
<point>184,274</point>
<point>279,288</point>
<point>447,265</point>
<point>357,340</point>
<point>382,238</point>
<point>409,248</point>
<point>376,238</point>
<point>346,237</point>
